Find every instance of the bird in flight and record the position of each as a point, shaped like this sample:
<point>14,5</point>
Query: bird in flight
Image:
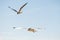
<point>30,29</point>
<point>19,11</point>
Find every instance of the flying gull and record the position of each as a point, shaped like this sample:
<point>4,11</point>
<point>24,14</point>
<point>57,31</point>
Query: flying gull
<point>30,29</point>
<point>19,11</point>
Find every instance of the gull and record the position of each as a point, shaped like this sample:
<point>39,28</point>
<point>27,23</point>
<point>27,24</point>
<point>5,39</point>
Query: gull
<point>19,11</point>
<point>30,29</point>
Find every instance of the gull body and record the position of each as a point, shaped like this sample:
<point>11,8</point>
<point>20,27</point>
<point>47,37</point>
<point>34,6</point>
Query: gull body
<point>32,30</point>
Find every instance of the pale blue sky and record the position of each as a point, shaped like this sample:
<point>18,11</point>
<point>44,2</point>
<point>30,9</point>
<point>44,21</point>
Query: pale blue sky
<point>35,14</point>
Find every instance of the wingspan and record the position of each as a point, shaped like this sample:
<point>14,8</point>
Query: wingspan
<point>12,9</point>
<point>22,6</point>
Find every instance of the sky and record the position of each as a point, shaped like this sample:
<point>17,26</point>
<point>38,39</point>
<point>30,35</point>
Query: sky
<point>37,13</point>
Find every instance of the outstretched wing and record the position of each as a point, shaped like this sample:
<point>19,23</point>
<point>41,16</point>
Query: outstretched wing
<point>12,9</point>
<point>18,28</point>
<point>22,6</point>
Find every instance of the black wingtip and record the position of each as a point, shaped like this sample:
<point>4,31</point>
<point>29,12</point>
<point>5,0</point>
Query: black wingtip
<point>26,2</point>
<point>14,27</point>
<point>9,7</point>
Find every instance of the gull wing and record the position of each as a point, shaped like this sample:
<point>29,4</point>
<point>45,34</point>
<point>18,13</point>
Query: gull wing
<point>12,9</point>
<point>18,28</point>
<point>22,6</point>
